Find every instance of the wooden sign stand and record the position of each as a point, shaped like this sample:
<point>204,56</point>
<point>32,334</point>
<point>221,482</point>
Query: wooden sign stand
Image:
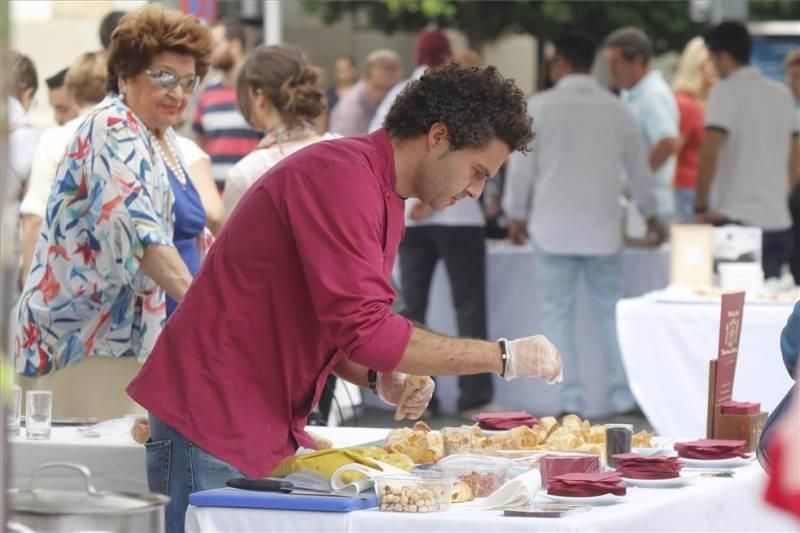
<point>719,425</point>
<point>731,427</point>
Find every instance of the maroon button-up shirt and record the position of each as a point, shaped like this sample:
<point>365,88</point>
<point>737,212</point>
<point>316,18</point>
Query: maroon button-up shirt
<point>298,277</point>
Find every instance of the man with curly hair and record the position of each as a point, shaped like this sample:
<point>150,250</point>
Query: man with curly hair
<point>297,284</point>
<point>456,236</point>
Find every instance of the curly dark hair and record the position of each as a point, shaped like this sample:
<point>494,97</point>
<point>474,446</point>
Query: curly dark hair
<point>476,104</point>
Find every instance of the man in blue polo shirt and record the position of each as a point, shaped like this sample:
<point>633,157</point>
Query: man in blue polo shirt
<point>628,52</point>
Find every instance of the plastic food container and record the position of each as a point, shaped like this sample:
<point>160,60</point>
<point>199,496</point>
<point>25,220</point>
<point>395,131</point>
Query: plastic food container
<point>483,474</point>
<point>426,492</point>
<point>465,439</point>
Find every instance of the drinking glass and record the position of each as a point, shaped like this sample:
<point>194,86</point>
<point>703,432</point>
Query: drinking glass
<point>14,409</point>
<point>38,414</point>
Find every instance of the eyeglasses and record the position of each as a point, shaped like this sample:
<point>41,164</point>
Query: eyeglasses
<point>167,79</point>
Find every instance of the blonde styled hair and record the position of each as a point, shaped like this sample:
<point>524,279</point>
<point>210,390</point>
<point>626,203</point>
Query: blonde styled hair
<point>690,77</point>
<point>86,78</point>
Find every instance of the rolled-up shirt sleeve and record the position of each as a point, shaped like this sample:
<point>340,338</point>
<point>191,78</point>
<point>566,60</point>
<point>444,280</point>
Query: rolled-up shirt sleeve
<point>659,121</point>
<point>340,240</point>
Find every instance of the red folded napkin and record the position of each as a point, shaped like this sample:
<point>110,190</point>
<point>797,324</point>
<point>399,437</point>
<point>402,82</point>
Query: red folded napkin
<point>551,466</point>
<point>740,408</point>
<point>635,466</point>
<point>580,484</point>
<point>508,420</point>
<point>711,449</point>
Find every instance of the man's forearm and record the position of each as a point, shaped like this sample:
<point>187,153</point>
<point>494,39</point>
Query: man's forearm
<point>431,354</point>
<point>165,266</point>
<point>794,163</point>
<point>352,372</point>
<point>707,165</point>
<point>661,152</point>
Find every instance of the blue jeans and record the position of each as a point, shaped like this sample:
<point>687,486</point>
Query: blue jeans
<point>557,280</point>
<point>684,205</point>
<point>177,468</point>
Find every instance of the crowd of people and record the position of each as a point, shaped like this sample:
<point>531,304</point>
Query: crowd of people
<point>226,277</point>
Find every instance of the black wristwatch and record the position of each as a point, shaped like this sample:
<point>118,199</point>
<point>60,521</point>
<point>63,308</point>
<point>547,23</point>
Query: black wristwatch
<point>699,210</point>
<point>372,379</point>
<point>503,342</point>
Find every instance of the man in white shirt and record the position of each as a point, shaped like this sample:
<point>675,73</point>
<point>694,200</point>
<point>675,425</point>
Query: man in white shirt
<point>628,52</point>
<point>456,235</point>
<point>64,106</point>
<point>569,189</point>
<point>749,156</point>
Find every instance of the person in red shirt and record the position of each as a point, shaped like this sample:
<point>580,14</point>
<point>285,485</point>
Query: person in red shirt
<point>297,287</point>
<point>693,81</point>
<point>783,488</point>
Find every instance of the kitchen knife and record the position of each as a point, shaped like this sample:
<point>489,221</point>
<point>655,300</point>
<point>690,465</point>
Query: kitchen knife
<point>281,485</point>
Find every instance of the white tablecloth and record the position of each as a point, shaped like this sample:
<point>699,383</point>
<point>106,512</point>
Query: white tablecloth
<point>512,311</point>
<point>666,347</point>
<point>115,460</point>
<point>707,505</point>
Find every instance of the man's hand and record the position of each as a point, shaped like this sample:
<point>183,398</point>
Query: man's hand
<point>517,232</point>
<point>534,357</point>
<point>656,233</point>
<point>710,217</point>
<point>419,391</point>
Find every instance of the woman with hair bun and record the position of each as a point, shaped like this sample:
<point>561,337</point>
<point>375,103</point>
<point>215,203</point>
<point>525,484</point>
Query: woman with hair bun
<point>278,93</point>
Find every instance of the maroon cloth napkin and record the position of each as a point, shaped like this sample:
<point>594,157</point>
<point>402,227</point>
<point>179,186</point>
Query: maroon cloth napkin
<point>711,449</point>
<point>635,466</point>
<point>582,485</point>
<point>551,466</point>
<point>508,420</point>
<point>740,408</point>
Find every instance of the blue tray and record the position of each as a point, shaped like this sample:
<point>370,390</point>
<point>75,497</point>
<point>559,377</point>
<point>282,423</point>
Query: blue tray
<point>253,499</point>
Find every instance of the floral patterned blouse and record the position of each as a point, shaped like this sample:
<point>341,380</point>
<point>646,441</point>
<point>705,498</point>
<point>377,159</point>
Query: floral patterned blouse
<point>86,295</point>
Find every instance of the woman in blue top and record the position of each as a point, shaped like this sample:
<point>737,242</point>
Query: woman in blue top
<point>190,220</point>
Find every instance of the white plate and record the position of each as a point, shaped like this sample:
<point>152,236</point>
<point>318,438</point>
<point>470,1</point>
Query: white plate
<point>662,446</point>
<point>732,462</point>
<point>603,499</point>
<point>669,483</point>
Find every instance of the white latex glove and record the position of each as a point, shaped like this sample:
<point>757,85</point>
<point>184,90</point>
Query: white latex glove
<point>534,357</point>
<point>392,385</point>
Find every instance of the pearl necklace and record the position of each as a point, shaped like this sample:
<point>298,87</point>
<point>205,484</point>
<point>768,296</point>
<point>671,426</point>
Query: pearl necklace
<point>176,168</point>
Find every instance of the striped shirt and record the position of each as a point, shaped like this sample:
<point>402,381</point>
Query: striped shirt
<point>228,136</point>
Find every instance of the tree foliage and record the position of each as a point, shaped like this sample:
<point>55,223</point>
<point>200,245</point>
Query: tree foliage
<point>666,21</point>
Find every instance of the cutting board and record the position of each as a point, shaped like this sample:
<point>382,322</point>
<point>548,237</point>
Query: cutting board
<point>252,499</point>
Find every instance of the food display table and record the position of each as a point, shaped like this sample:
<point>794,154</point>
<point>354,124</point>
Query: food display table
<point>717,504</point>
<point>666,347</point>
<point>117,463</point>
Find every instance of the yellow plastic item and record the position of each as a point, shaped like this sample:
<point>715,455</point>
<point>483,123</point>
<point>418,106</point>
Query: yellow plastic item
<point>325,463</point>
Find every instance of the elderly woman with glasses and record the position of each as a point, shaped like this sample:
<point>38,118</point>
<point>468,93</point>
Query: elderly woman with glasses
<point>121,236</point>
